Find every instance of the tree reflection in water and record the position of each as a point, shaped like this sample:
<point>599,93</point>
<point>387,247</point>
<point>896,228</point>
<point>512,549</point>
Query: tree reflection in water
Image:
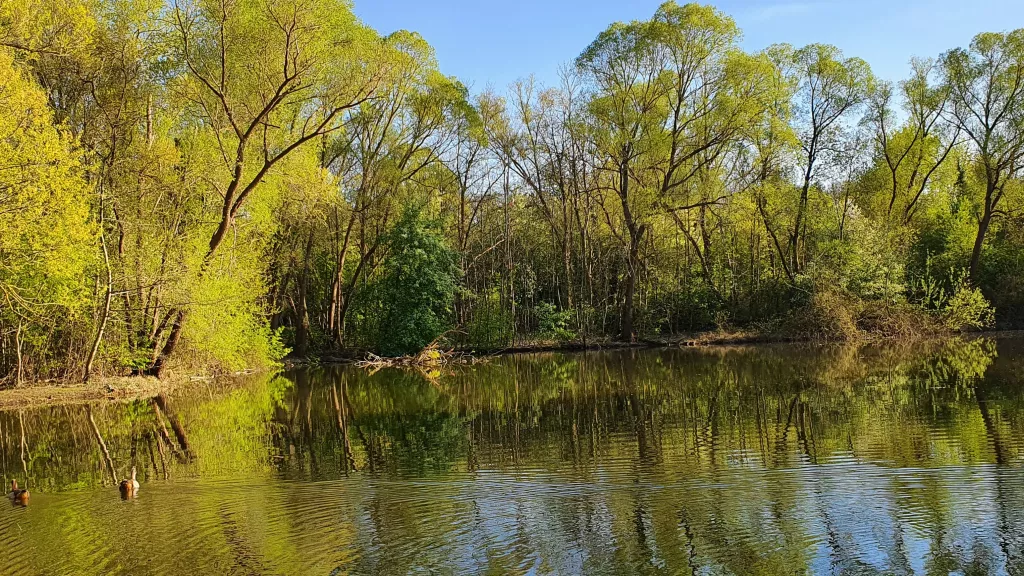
<point>762,460</point>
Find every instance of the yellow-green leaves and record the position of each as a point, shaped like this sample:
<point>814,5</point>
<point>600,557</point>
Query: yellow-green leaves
<point>46,238</point>
<point>986,94</point>
<point>830,87</point>
<point>44,27</point>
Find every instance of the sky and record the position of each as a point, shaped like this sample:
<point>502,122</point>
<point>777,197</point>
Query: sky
<point>489,44</point>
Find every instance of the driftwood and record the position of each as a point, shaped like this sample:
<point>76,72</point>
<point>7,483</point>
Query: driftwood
<point>433,356</point>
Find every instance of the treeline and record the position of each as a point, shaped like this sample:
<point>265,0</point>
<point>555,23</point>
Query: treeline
<point>213,184</point>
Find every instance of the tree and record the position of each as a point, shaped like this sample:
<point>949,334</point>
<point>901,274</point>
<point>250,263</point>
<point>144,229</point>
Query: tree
<point>914,153</point>
<point>627,109</point>
<point>543,145</point>
<point>267,79</point>
<point>986,92</point>
<point>391,144</point>
<point>717,92</point>
<point>47,237</point>
<point>408,303</point>
<point>672,95</point>
<point>829,88</point>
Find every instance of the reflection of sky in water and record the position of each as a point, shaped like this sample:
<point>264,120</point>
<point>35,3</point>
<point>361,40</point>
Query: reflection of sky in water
<point>771,462</point>
<point>854,518</point>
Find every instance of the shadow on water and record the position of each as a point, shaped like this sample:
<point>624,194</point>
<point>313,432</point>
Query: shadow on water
<point>766,460</point>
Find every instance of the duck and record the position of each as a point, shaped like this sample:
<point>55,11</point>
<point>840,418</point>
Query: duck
<point>129,488</point>
<point>17,495</point>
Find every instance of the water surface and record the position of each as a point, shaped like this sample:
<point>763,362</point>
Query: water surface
<point>763,460</point>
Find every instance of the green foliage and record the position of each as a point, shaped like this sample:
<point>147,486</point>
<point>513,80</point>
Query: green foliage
<point>1002,278</point>
<point>47,235</point>
<point>956,303</point>
<point>241,174</point>
<point>408,302</point>
<point>966,307</point>
<point>553,323</point>
<point>867,263</point>
<point>227,328</point>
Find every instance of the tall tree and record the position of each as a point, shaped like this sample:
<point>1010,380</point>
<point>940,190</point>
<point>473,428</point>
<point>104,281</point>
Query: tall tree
<point>986,92</point>
<point>47,237</point>
<point>628,109</point>
<point>392,143</point>
<point>912,153</point>
<point>672,97</point>
<point>267,79</point>
<point>829,89</point>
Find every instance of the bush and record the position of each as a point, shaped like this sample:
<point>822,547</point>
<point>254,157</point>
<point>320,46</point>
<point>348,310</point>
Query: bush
<point>967,308</point>
<point>896,320</point>
<point>554,323</point>
<point>953,300</point>
<point>408,303</point>
<point>828,315</point>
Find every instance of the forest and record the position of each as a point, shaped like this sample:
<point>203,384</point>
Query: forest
<point>207,186</point>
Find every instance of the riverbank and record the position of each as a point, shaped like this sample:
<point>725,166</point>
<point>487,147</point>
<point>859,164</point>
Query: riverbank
<point>52,393</point>
<point>712,338</point>
<point>127,388</point>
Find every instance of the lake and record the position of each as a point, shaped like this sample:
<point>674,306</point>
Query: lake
<point>781,459</point>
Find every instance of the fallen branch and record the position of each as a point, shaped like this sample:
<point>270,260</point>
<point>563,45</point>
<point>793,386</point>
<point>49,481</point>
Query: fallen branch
<point>430,357</point>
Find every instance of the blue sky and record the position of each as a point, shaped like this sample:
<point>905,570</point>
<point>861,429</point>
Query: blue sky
<point>488,43</point>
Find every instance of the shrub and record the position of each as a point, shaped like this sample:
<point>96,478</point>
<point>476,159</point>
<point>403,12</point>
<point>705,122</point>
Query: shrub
<point>967,308</point>
<point>896,320</point>
<point>828,315</point>
<point>408,302</point>
<point>953,300</point>
<point>554,323</point>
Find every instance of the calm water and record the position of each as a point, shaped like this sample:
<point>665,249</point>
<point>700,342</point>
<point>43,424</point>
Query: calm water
<point>771,460</point>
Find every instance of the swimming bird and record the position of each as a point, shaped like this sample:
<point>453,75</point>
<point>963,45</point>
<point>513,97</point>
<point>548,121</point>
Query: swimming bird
<point>16,495</point>
<point>129,488</point>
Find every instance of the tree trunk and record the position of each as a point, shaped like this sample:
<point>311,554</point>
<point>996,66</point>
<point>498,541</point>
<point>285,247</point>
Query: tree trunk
<point>798,228</point>
<point>17,350</point>
<point>160,363</point>
<point>801,212</point>
<point>979,242</point>
<point>337,325</point>
<point>636,234</point>
<point>348,293</point>
<point>626,323</point>
<point>106,313</point>
<point>302,321</point>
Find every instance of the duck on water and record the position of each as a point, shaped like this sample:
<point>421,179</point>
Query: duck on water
<point>18,496</point>
<point>129,487</point>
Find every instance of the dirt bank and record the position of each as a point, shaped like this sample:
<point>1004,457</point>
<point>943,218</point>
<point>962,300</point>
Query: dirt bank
<point>117,389</point>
